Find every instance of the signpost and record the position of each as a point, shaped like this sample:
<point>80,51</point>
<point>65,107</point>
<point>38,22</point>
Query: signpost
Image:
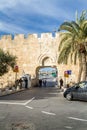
<point>16,70</point>
<point>67,73</point>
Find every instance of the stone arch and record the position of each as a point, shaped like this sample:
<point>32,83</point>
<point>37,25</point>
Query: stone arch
<point>41,67</point>
<point>41,61</point>
<point>44,57</point>
<point>47,61</point>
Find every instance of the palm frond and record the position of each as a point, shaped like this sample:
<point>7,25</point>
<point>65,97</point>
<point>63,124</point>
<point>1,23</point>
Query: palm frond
<point>76,16</point>
<point>76,28</point>
<point>67,26</point>
<point>64,44</point>
<point>83,15</point>
<point>64,54</point>
<point>64,39</point>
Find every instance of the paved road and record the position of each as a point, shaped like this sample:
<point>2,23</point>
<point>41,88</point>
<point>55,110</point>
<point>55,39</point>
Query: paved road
<point>41,109</point>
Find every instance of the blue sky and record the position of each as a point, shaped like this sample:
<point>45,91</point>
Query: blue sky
<point>37,16</point>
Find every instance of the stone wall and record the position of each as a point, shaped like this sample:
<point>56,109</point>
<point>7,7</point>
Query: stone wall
<point>33,51</point>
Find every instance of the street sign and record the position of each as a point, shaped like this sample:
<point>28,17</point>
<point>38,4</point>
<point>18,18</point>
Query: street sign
<point>66,74</point>
<point>16,68</point>
<point>69,72</point>
<point>54,74</point>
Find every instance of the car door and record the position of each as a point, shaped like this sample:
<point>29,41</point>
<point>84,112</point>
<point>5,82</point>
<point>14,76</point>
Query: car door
<point>84,91</point>
<point>81,94</point>
<point>78,93</point>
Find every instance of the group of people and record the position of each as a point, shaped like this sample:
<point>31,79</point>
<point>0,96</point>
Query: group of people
<point>22,82</point>
<point>42,82</point>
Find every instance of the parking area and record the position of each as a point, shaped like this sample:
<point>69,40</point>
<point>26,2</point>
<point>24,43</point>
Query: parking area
<point>42,108</point>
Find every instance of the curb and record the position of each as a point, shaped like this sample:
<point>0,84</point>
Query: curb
<point>9,92</point>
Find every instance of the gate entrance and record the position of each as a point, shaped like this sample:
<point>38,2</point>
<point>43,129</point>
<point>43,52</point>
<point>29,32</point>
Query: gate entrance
<point>48,75</point>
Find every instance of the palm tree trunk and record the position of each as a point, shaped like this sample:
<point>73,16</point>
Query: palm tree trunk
<point>80,70</point>
<point>84,67</point>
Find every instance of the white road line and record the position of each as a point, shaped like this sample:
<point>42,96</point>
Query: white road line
<point>48,113</point>
<point>68,127</point>
<point>79,119</point>
<point>16,103</point>
<point>29,101</point>
<point>13,103</point>
<point>29,107</point>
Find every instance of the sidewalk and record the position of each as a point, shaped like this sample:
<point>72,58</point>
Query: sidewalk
<point>7,91</point>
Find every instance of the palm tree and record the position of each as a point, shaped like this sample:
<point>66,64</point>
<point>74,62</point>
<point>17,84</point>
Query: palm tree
<point>74,43</point>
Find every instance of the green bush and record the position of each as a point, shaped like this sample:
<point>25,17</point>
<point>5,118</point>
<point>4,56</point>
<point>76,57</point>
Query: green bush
<point>6,61</point>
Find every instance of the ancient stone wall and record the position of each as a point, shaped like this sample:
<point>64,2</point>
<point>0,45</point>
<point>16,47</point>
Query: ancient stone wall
<point>33,51</point>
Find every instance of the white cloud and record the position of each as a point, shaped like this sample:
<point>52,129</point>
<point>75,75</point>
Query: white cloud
<point>21,12</point>
<point>11,28</point>
<point>33,6</point>
<point>7,4</point>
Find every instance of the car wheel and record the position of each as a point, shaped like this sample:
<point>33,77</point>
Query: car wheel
<point>69,96</point>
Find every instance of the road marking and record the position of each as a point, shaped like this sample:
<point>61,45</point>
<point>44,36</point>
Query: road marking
<point>68,127</point>
<point>79,119</point>
<point>9,103</point>
<point>29,101</point>
<point>16,103</point>
<point>29,107</point>
<point>48,113</point>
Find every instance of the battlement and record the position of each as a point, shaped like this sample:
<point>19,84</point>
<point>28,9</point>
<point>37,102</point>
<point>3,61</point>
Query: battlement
<point>46,35</point>
<point>22,36</point>
<point>3,37</point>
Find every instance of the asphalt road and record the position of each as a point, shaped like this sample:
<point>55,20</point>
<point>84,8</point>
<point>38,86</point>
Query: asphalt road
<point>41,109</point>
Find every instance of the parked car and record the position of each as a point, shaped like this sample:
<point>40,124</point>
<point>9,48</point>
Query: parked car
<point>77,92</point>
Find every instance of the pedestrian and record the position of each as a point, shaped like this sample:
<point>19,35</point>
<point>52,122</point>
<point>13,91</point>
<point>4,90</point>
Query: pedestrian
<point>40,82</point>
<point>44,83</point>
<point>26,82</point>
<point>20,83</point>
<point>61,83</point>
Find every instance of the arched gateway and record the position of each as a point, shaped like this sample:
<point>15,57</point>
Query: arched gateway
<point>47,71</point>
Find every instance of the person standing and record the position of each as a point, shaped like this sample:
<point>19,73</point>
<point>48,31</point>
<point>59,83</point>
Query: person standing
<point>44,83</point>
<point>26,82</point>
<point>61,83</point>
<point>40,82</point>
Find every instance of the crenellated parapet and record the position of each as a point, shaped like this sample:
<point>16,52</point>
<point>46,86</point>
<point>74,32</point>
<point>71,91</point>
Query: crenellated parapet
<point>18,36</point>
<point>6,37</point>
<point>29,36</point>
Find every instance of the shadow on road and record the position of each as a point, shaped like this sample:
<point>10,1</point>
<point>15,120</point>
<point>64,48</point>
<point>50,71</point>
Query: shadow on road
<point>38,93</point>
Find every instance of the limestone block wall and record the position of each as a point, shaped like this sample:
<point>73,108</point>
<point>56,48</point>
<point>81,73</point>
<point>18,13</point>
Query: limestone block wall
<point>32,50</point>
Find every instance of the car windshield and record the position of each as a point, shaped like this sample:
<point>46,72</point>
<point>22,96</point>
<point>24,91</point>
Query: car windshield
<point>82,84</point>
